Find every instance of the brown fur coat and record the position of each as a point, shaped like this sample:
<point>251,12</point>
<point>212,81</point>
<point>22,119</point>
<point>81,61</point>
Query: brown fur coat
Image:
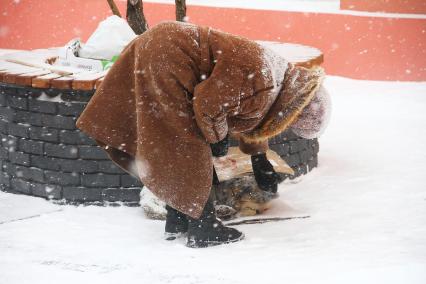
<point>177,88</point>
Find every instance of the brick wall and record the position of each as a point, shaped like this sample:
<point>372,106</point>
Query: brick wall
<point>43,154</point>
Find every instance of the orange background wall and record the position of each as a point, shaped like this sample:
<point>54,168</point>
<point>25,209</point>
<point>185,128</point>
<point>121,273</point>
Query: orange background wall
<point>361,47</point>
<point>389,6</point>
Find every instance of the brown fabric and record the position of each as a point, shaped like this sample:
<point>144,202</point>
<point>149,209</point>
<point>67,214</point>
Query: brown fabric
<point>173,90</point>
<point>253,148</point>
<point>299,87</point>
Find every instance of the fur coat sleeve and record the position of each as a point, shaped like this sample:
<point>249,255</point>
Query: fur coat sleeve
<point>178,87</point>
<point>241,86</point>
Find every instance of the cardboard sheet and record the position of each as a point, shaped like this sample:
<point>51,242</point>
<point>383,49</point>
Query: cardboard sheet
<point>236,164</point>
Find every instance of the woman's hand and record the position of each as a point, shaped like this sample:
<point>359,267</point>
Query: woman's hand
<point>266,177</point>
<point>220,148</point>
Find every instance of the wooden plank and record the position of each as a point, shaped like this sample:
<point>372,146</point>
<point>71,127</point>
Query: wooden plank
<point>39,58</point>
<point>11,75</point>
<point>56,69</point>
<point>26,79</point>
<point>79,81</point>
<point>55,76</point>
<point>5,65</point>
<point>86,81</point>
<point>62,82</point>
<point>9,68</point>
<point>44,81</point>
<point>2,73</point>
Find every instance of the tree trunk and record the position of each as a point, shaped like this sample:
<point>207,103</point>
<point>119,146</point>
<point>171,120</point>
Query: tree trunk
<point>180,10</point>
<point>135,16</point>
<point>114,8</point>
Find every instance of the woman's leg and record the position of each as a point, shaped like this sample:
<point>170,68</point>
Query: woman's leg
<point>176,224</point>
<point>208,230</point>
<point>202,232</point>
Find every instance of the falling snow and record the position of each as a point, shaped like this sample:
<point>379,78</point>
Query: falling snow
<point>366,204</point>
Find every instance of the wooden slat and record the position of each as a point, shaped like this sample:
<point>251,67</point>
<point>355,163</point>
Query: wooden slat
<point>79,81</point>
<point>86,81</point>
<point>44,81</point>
<point>26,79</point>
<point>62,82</point>
<point>39,58</point>
<point>2,75</point>
<point>66,78</point>
<point>11,75</point>
<point>57,69</point>
<point>5,65</point>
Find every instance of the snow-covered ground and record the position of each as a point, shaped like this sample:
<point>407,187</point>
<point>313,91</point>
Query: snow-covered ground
<point>367,202</point>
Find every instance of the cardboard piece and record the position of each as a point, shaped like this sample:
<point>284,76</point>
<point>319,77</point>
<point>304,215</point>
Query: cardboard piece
<point>237,164</point>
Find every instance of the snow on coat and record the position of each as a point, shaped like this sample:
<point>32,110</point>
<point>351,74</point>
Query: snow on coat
<point>178,87</point>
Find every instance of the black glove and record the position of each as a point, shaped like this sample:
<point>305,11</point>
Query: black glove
<point>266,177</point>
<point>220,148</point>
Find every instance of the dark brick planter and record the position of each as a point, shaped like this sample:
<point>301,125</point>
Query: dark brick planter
<point>43,154</point>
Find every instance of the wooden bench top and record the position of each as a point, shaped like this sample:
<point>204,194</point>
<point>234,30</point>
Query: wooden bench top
<point>32,68</point>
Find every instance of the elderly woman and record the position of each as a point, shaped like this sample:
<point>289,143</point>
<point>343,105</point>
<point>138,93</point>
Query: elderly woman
<point>174,95</point>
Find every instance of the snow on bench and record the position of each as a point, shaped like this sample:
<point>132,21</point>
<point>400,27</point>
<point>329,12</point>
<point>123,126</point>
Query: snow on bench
<point>34,68</point>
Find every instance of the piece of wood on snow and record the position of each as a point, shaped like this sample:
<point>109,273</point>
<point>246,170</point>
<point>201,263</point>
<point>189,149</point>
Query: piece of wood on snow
<point>86,81</point>
<point>45,80</point>
<point>236,164</point>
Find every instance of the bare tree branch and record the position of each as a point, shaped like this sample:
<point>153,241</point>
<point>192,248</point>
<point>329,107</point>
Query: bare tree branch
<point>114,8</point>
<point>180,10</point>
<point>135,16</point>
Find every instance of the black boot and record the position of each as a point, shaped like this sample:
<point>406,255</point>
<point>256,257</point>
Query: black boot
<point>209,231</point>
<point>176,224</point>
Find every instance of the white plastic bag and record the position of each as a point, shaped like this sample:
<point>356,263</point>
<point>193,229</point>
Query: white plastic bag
<point>67,57</point>
<point>108,40</point>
